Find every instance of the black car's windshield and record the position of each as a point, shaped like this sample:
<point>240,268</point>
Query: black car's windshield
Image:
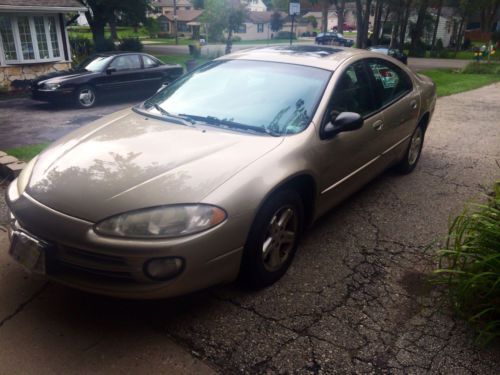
<point>252,96</point>
<point>95,63</point>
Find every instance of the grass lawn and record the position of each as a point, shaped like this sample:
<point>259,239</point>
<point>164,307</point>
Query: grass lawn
<point>181,59</point>
<point>26,153</point>
<point>449,82</point>
<point>123,32</point>
<point>169,41</point>
<point>183,41</point>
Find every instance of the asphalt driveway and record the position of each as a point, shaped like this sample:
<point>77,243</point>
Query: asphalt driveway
<point>24,121</point>
<point>355,300</point>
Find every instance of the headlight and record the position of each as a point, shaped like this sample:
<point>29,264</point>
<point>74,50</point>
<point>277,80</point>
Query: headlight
<point>51,86</point>
<point>163,222</point>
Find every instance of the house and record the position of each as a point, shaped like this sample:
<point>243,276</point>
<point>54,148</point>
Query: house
<point>256,5</point>
<point>33,39</point>
<point>167,6</point>
<point>447,28</point>
<point>187,22</point>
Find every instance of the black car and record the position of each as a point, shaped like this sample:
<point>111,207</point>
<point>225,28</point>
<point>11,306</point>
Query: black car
<point>397,54</point>
<point>333,38</point>
<point>106,75</point>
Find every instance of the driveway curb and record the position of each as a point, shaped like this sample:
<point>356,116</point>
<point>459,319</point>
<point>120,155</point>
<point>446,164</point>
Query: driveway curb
<point>10,167</point>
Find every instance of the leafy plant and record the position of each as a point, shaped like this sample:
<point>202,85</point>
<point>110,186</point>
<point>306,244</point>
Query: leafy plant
<point>131,44</point>
<point>469,266</point>
<point>477,68</point>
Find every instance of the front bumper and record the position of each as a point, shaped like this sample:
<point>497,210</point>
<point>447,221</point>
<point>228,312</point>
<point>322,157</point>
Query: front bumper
<point>53,95</point>
<point>80,258</point>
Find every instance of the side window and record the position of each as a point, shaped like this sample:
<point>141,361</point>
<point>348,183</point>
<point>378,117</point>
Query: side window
<point>391,82</point>
<point>149,62</point>
<point>352,93</point>
<point>126,62</point>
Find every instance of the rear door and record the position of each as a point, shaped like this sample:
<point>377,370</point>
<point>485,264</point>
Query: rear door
<point>153,74</point>
<point>124,75</point>
<point>394,94</point>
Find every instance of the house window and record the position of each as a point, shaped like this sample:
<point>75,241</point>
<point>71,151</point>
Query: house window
<point>260,27</point>
<point>30,38</point>
<point>242,29</point>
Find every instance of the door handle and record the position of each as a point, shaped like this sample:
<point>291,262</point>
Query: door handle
<point>413,104</point>
<point>378,125</point>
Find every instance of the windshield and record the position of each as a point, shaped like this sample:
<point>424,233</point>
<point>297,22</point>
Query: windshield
<point>95,63</point>
<point>258,96</point>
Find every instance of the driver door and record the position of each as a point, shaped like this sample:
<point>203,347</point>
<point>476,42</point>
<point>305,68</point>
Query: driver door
<point>350,159</point>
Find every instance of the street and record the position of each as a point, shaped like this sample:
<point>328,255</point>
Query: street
<point>356,299</point>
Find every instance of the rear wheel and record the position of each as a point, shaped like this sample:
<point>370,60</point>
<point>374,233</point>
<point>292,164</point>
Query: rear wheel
<point>412,155</point>
<point>273,239</point>
<point>85,96</point>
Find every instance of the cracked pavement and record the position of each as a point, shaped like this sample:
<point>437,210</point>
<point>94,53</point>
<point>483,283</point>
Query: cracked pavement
<point>355,300</point>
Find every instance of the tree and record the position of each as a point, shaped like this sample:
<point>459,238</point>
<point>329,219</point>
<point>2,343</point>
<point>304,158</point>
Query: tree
<point>488,10</point>
<point>102,12</point>
<point>276,21</point>
<point>436,24</point>
<point>418,30</point>
<point>362,20</point>
<point>340,10</point>
<point>223,15</point>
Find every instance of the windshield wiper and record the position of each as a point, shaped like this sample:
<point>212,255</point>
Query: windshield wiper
<point>211,120</point>
<point>182,119</point>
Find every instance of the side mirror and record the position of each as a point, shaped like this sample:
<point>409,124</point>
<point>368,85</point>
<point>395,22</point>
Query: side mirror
<point>344,122</point>
<point>110,70</point>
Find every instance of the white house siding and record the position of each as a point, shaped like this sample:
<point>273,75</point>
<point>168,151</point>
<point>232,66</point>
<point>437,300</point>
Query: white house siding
<point>256,6</point>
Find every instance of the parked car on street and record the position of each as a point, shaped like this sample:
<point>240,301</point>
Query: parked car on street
<point>209,178</point>
<point>333,38</point>
<point>345,27</point>
<point>106,75</point>
<point>397,54</point>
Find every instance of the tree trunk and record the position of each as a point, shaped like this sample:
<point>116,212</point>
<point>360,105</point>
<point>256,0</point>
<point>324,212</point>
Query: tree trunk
<point>491,15</point>
<point>419,28</point>
<point>436,26</point>
<point>340,16</point>
<point>394,33</point>
<point>112,27</point>
<point>377,21</point>
<point>366,23</point>
<point>97,26</point>
<point>229,41</point>
<point>325,4</point>
<point>359,24</point>
<point>404,24</point>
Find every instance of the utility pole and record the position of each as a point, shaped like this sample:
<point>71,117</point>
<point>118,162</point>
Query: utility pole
<point>175,22</point>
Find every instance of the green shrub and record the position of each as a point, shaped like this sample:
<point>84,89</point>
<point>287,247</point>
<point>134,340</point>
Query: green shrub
<point>236,38</point>
<point>131,44</point>
<point>164,35</point>
<point>469,266</point>
<point>495,37</point>
<point>482,68</point>
<point>81,48</point>
<point>285,35</point>
<point>105,45</point>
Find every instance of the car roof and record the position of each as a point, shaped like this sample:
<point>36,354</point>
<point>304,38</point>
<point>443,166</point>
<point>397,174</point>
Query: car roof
<point>316,56</point>
<point>119,53</point>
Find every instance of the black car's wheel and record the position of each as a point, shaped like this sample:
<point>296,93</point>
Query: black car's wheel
<point>412,154</point>
<point>85,96</point>
<point>273,239</point>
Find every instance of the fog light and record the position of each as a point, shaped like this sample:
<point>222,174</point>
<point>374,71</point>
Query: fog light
<point>163,268</point>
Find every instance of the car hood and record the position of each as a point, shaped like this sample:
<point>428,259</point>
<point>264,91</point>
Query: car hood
<point>63,76</point>
<point>127,161</point>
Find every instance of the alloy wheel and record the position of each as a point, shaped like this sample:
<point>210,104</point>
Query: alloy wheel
<point>86,97</point>
<point>415,146</point>
<point>280,238</point>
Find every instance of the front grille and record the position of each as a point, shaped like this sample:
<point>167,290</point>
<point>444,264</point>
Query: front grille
<point>70,262</point>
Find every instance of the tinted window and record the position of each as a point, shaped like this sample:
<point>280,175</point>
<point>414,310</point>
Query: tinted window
<point>149,62</point>
<point>126,62</point>
<point>352,93</point>
<point>95,63</point>
<point>391,82</point>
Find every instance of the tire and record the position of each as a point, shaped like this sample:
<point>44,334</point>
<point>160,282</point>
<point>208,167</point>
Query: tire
<point>413,152</point>
<point>85,96</point>
<point>270,247</point>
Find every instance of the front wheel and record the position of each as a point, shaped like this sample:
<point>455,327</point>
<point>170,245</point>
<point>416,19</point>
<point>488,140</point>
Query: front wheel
<point>85,96</point>
<point>413,152</point>
<point>273,239</point>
